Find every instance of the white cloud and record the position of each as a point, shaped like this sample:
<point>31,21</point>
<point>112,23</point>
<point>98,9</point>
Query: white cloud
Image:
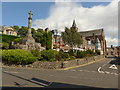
<point>61,15</point>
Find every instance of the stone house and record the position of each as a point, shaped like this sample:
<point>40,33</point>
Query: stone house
<point>113,51</point>
<point>92,39</point>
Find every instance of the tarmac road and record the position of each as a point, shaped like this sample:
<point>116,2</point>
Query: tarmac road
<point>88,76</point>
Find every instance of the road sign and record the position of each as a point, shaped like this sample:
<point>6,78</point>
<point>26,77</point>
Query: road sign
<point>113,66</point>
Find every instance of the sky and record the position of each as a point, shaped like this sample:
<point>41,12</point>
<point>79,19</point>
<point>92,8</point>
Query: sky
<point>58,15</point>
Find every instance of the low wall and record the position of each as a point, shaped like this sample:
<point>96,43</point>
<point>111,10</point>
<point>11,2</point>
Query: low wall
<point>65,64</point>
<point>60,64</point>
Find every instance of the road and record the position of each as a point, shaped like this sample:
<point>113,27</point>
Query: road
<point>96,75</point>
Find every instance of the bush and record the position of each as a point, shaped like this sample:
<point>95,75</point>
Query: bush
<point>89,51</point>
<point>18,56</point>
<point>49,55</point>
<point>97,52</point>
<point>36,53</point>
<point>18,40</point>
<point>72,57</point>
<point>64,55</point>
<point>8,38</point>
<point>5,45</point>
<point>71,52</point>
<point>80,54</point>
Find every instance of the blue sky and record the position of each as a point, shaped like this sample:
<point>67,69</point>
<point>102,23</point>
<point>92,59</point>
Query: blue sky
<point>51,14</point>
<point>16,13</point>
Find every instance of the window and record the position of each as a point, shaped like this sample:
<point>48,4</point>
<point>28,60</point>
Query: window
<point>88,42</point>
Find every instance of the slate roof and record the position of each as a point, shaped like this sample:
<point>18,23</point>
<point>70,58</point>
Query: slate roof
<point>90,32</point>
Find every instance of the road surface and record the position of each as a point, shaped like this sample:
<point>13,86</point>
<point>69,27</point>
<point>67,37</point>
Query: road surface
<point>96,75</point>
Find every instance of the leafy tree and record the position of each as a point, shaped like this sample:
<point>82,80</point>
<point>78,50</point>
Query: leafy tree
<point>16,28</point>
<point>47,40</point>
<point>23,31</point>
<point>72,37</point>
<point>38,35</point>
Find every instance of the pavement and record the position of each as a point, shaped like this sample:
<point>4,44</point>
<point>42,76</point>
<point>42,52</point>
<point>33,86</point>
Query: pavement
<point>96,75</point>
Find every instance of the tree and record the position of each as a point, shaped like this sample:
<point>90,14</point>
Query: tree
<point>72,37</point>
<point>47,40</point>
<point>43,37</point>
<point>16,28</point>
<point>23,31</point>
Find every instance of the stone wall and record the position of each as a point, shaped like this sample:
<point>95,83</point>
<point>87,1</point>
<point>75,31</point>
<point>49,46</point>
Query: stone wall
<point>65,64</point>
<point>59,64</point>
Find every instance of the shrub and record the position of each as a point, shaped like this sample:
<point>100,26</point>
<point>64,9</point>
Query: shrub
<point>18,56</point>
<point>8,38</point>
<point>64,55</point>
<point>71,52</point>
<point>72,57</point>
<point>5,45</point>
<point>36,53</point>
<point>18,40</point>
<point>97,52</point>
<point>80,54</point>
<point>89,51</point>
<point>49,55</point>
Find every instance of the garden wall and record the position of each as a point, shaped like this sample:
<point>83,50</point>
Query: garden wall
<point>65,64</point>
<point>61,64</point>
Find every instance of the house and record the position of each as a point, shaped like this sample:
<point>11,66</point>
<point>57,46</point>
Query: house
<point>8,30</point>
<point>113,51</point>
<point>92,39</point>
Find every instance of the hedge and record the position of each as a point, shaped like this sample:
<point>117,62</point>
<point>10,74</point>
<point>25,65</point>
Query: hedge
<point>5,45</point>
<point>64,55</point>
<point>17,56</point>
<point>49,55</point>
<point>36,53</point>
<point>8,38</point>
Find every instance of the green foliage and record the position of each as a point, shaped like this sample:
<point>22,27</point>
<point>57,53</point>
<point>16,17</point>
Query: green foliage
<point>89,51</point>
<point>5,45</point>
<point>16,28</point>
<point>72,37</point>
<point>8,38</point>
<point>36,53</point>
<point>49,55</point>
<point>64,55</point>
<point>47,40</point>
<point>18,40</point>
<point>22,31</point>
<point>72,57</point>
<point>43,37</point>
<point>71,52</point>
<point>80,54</point>
<point>18,56</point>
<point>97,52</point>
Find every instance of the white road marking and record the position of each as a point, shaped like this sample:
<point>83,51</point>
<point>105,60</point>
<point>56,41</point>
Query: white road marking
<point>113,66</point>
<point>100,71</point>
<point>107,72</point>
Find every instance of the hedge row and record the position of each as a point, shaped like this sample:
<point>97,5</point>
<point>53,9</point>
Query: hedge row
<point>18,56</point>
<point>8,38</point>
